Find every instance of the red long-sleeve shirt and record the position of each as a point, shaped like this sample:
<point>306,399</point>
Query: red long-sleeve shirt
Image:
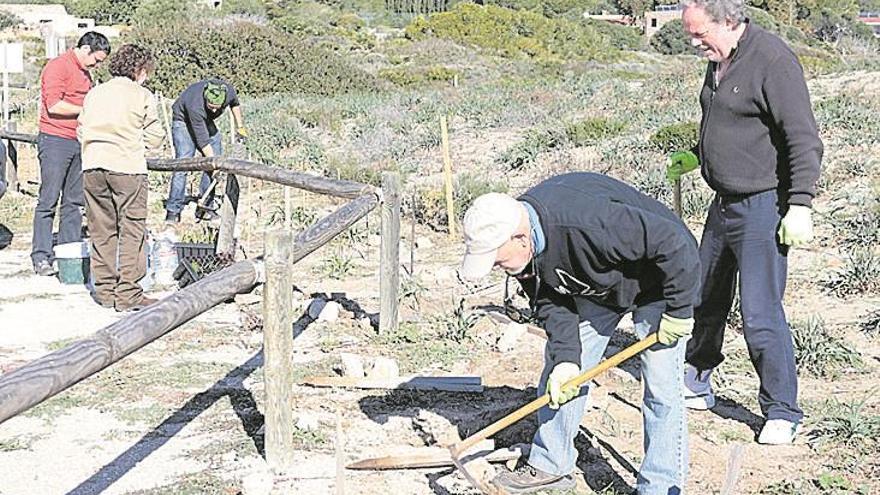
<point>63,78</point>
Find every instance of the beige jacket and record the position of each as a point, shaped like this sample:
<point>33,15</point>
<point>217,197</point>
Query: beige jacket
<point>119,122</point>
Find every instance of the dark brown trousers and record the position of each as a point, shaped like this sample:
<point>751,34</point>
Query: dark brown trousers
<point>116,208</point>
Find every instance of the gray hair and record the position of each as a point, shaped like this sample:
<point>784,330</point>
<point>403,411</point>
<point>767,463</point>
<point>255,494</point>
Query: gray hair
<point>720,10</point>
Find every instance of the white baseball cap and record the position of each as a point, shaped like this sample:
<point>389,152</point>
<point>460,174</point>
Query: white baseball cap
<point>490,222</point>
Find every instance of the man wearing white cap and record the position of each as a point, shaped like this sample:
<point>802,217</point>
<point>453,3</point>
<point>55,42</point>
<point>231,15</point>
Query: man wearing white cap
<point>588,249</point>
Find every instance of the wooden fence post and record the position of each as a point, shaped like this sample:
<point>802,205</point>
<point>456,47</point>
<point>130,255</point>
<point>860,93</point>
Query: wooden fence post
<point>447,175</point>
<point>277,350</point>
<point>389,252</point>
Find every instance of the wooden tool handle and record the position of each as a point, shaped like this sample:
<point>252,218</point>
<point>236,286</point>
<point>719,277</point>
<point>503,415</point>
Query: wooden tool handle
<point>543,400</point>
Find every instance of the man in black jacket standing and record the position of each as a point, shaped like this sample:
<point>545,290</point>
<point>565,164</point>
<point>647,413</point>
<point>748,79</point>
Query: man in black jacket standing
<point>587,249</point>
<point>760,151</point>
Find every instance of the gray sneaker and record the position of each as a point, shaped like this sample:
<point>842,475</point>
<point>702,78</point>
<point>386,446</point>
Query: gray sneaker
<point>528,479</point>
<point>44,269</point>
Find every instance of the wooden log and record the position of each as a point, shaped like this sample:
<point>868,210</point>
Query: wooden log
<point>42,378</point>
<point>448,384</point>
<point>447,177</point>
<point>18,136</point>
<point>277,351</point>
<point>313,183</point>
<point>330,226</point>
<point>389,253</point>
<point>435,457</point>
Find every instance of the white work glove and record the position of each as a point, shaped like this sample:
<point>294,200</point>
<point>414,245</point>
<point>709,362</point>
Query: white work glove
<point>797,226</point>
<point>562,373</point>
<point>671,329</point>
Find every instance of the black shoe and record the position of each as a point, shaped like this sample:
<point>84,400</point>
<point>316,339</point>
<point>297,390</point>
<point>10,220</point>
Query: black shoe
<point>44,268</point>
<point>172,217</point>
<point>528,479</point>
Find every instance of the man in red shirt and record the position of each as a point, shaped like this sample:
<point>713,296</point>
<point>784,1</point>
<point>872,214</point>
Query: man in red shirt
<point>63,86</point>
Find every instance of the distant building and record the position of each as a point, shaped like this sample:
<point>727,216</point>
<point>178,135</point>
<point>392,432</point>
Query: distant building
<point>652,21</point>
<point>872,19</point>
<point>655,19</point>
<point>37,16</point>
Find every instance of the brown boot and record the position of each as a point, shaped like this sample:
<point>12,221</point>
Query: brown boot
<point>145,301</point>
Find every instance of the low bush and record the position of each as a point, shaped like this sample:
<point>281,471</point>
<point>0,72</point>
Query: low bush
<point>254,58</point>
<point>860,274</point>
<point>675,137</point>
<point>515,34</point>
<point>416,76</point>
<point>671,39</point>
<point>819,353</point>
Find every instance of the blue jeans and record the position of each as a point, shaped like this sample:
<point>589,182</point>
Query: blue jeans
<point>740,238</point>
<point>185,147</point>
<point>664,468</point>
<point>60,176</point>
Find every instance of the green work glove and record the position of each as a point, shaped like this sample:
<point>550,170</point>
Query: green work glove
<point>241,134</point>
<point>797,226</point>
<point>680,163</point>
<point>671,329</point>
<point>562,373</point>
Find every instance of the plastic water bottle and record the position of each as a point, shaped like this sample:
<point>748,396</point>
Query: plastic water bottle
<point>164,257</point>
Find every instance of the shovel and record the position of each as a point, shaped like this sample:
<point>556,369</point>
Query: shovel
<point>456,450</point>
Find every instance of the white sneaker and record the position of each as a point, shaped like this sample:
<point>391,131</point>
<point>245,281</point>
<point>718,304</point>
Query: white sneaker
<point>698,388</point>
<point>778,432</point>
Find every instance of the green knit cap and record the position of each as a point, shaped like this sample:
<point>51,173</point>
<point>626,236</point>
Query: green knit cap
<point>215,93</point>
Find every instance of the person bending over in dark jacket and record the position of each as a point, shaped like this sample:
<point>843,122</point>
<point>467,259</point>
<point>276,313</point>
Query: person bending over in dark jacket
<point>587,249</point>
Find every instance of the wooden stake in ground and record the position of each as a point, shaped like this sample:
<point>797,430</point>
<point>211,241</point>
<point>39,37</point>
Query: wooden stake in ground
<point>447,176</point>
<point>389,253</point>
<point>167,123</point>
<point>734,464</point>
<point>277,350</point>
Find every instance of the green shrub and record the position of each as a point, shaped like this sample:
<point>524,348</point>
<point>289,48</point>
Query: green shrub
<point>870,323</point>
<point>588,131</point>
<point>846,424</point>
<point>430,203</point>
<point>514,34</point>
<point>572,9</point>
<point>254,58</point>
<point>671,39</point>
<point>417,6</point>
<point>860,274</point>
<point>618,36</point>
<point>850,118</point>
<point>675,137</point>
<point>414,76</point>
<point>820,354</point>
<point>535,142</point>
<point>8,20</point>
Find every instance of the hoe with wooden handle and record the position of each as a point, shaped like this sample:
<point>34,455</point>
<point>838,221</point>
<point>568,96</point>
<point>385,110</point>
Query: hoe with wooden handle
<point>457,449</point>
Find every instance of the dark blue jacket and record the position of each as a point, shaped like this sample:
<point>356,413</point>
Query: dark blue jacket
<point>611,244</point>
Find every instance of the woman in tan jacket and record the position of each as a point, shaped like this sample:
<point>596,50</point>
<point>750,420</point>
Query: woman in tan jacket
<point>118,124</point>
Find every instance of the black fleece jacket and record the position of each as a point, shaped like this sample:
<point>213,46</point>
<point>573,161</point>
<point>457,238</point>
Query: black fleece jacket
<point>758,132</point>
<point>611,244</point>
